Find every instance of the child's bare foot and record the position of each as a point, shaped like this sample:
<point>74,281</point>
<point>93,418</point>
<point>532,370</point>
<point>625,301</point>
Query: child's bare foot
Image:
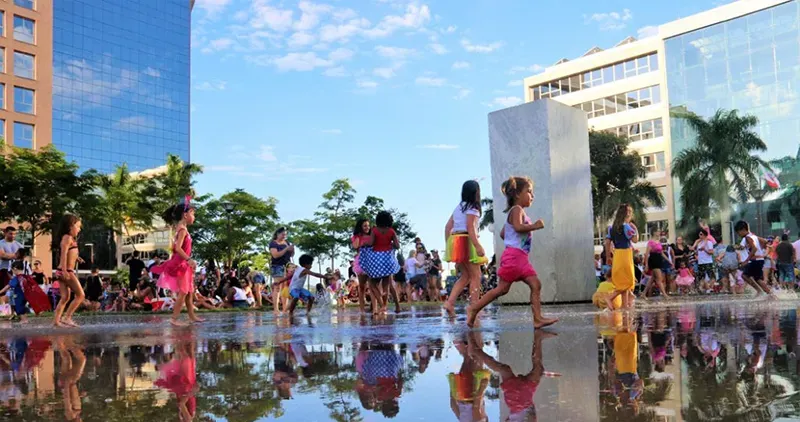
<point>544,322</point>
<point>196,319</point>
<point>450,309</point>
<point>176,323</point>
<point>58,324</point>
<point>609,304</point>
<point>471,315</point>
<point>70,323</point>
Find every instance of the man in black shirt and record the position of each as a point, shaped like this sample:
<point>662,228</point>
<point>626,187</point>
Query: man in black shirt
<point>93,290</point>
<point>786,261</point>
<point>135,266</point>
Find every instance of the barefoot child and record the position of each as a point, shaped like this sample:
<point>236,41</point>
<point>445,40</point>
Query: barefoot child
<point>380,263</point>
<point>14,288</point>
<point>177,274</point>
<point>514,263</point>
<point>463,247</point>
<point>68,231</point>
<point>753,272</point>
<point>297,288</point>
<point>619,241</point>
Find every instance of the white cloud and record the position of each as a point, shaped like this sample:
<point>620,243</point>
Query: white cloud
<point>300,39</point>
<point>395,53</point>
<point>212,6</point>
<point>439,146</point>
<point>416,16</point>
<point>266,16</point>
<point>515,82</point>
<point>211,86</point>
<point>430,81</point>
<point>336,72</point>
<point>343,32</point>
<point>149,71</point>
<point>135,124</point>
<point>384,72</point>
<point>461,65</point>
<point>438,48</point>
<point>647,31</point>
<point>310,16</point>
<point>480,48</point>
<point>610,21</point>
<point>332,131</point>
<point>526,69</point>
<point>301,62</point>
<point>505,102</point>
<point>267,154</point>
<point>450,29</point>
<point>218,44</point>
<point>341,54</point>
<point>366,84</point>
<point>462,93</point>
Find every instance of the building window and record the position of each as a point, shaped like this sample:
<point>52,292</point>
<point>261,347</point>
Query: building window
<point>622,102</point>
<point>23,100</point>
<point>2,96</point>
<point>2,23</point>
<point>653,162</point>
<point>23,29</point>
<point>3,59</point>
<point>28,4</point>
<point>23,135</point>
<point>597,77</point>
<point>23,65</point>
<point>657,229</point>
<point>639,131</point>
<point>3,129</point>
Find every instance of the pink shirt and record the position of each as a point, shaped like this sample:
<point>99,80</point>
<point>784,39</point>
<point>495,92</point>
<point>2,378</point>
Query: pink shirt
<point>654,246</point>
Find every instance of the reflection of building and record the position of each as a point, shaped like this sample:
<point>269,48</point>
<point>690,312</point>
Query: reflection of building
<point>741,56</point>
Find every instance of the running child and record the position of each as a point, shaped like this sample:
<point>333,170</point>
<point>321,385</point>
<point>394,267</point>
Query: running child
<point>297,288</point>
<point>361,234</point>
<point>753,273</point>
<point>463,247</point>
<point>619,243</point>
<point>177,273</point>
<point>514,263</point>
<point>68,231</point>
<point>380,263</point>
<point>14,289</point>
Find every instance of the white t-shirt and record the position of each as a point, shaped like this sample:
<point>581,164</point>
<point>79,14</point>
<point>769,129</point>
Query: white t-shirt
<point>796,245</point>
<point>704,257</point>
<point>411,267</point>
<point>298,280</point>
<point>10,248</point>
<point>239,294</point>
<point>460,219</point>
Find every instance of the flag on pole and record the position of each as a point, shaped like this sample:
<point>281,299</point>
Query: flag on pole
<point>772,180</point>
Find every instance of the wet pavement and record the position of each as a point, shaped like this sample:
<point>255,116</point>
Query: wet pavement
<point>718,360</point>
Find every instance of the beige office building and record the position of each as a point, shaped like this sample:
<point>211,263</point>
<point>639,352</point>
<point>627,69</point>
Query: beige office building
<point>742,56</point>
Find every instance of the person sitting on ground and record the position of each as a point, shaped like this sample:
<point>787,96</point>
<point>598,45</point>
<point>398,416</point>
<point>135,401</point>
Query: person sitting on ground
<point>237,296</point>
<point>93,289</point>
<point>201,301</point>
<point>112,301</point>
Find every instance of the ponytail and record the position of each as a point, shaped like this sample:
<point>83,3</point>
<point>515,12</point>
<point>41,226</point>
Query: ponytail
<point>513,187</point>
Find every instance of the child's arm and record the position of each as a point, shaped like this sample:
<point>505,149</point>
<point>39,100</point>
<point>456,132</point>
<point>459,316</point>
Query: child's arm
<point>395,241</point>
<point>473,234</point>
<point>313,274</point>
<point>5,289</point>
<point>448,228</point>
<point>178,245</point>
<point>355,242</point>
<point>503,232</point>
<point>517,220</point>
<point>371,240</point>
<point>64,250</point>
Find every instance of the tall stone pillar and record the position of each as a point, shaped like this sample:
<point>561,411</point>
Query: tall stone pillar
<point>549,142</point>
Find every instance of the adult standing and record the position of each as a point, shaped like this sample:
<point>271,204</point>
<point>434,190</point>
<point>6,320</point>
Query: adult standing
<point>786,262</point>
<point>670,270</point>
<point>681,252</point>
<point>704,246</point>
<point>435,276</point>
<point>135,268</point>
<point>412,269</point>
<point>654,262</point>
<point>281,251</point>
<point>8,253</point>
<point>796,246</point>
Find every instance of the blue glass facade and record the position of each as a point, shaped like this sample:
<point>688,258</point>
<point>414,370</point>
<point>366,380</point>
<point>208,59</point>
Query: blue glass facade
<point>121,81</point>
<point>752,64</point>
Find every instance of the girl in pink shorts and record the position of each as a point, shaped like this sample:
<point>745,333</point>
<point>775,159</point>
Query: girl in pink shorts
<point>514,263</point>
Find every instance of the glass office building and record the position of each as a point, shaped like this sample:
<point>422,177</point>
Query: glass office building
<point>121,82</point>
<point>750,63</point>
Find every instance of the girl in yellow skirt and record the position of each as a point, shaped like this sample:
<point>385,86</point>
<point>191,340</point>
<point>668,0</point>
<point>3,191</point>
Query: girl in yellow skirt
<point>619,242</point>
<point>463,248</point>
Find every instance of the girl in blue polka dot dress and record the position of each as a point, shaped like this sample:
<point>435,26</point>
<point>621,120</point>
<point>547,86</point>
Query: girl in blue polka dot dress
<point>380,263</point>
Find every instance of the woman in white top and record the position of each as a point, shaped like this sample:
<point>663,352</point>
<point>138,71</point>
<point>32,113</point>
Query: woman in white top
<point>463,247</point>
<point>237,296</point>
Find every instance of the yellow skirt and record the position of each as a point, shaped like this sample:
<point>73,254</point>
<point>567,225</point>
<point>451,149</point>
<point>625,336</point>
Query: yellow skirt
<point>461,251</point>
<point>285,292</point>
<point>622,274</point>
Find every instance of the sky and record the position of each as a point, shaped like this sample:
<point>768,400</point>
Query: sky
<point>288,96</point>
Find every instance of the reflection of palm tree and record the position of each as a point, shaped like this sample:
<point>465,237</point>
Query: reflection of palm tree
<point>720,162</point>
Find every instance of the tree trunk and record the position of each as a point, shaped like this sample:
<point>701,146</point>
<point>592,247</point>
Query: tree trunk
<point>724,209</point>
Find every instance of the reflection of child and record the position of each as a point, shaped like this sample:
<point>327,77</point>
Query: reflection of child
<point>467,387</point>
<point>628,386</point>
<point>179,376</point>
<point>379,382</point>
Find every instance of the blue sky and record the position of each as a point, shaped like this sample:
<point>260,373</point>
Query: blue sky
<point>394,95</point>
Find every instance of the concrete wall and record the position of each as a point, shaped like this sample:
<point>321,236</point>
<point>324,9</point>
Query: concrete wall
<point>548,142</point>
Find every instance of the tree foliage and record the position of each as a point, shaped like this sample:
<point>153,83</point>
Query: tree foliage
<point>721,167</point>
<point>618,177</point>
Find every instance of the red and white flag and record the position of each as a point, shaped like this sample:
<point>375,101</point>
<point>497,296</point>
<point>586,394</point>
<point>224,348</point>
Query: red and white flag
<point>772,180</point>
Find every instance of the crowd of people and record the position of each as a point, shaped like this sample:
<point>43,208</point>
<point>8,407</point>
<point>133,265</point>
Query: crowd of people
<point>704,267</point>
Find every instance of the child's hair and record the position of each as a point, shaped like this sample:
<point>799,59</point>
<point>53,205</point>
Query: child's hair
<point>741,225</point>
<point>359,223</point>
<point>306,259</point>
<point>682,264</point>
<point>174,214</point>
<point>18,265</point>
<point>384,219</point>
<point>471,196</point>
<point>64,227</point>
<point>619,219</point>
<point>234,282</point>
<point>514,186</point>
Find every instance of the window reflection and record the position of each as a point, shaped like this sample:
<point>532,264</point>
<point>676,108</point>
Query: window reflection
<point>23,135</point>
<point>23,65</point>
<point>618,103</point>
<point>28,4</point>
<point>23,100</point>
<point>23,29</point>
<point>597,77</point>
<point>647,129</point>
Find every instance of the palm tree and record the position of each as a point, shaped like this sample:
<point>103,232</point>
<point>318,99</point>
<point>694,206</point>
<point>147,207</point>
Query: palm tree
<point>174,183</point>
<point>488,213</point>
<point>719,164</point>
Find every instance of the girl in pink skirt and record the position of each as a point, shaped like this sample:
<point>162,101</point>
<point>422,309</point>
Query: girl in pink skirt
<point>685,281</point>
<point>514,263</point>
<point>359,240</point>
<point>177,274</point>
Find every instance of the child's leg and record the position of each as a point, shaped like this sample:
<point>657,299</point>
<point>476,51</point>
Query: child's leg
<point>536,303</point>
<point>610,299</point>
<point>475,284</point>
<point>362,292</point>
<point>292,306</point>
<point>377,296</point>
<point>458,287</point>
<point>77,298</point>
<point>190,308</point>
<point>393,290</point>
<point>177,307</point>
<point>474,308</point>
<point>309,304</point>
<point>62,303</point>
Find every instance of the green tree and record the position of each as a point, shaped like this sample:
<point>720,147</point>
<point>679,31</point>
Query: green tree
<point>312,238</point>
<point>788,173</point>
<point>126,203</point>
<point>336,217</point>
<point>617,178</point>
<point>721,163</point>
<point>37,187</point>
<point>233,236</point>
<point>402,225</point>
<point>487,219</point>
<point>176,182</point>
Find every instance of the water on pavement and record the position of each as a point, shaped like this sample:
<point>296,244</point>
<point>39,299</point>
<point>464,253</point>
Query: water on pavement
<point>694,362</point>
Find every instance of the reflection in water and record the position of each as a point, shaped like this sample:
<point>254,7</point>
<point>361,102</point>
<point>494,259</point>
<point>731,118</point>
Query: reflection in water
<point>695,364</point>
